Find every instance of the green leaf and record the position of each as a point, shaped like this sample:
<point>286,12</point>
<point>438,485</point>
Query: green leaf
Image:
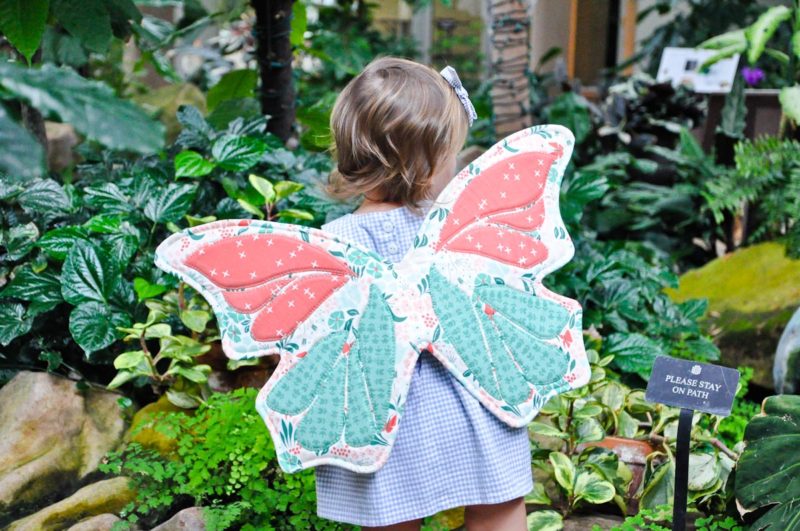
<point>44,196</point>
<point>192,164</point>
<point>590,430</point>
<point>158,331</point>
<point>769,468</point>
<point>237,153</point>
<point>13,322</point>
<point>540,428</point>
<point>572,111</point>
<point>659,487</point>
<point>726,40</point>
<point>230,110</point>
<point>263,187</point>
<point>284,189</point>
<point>87,275</point>
<point>86,20</point>
<point>94,325</point>
<point>796,44</point>
<point>564,470</point>
<point>22,156</point>
<point>594,489</point>
<point>57,242</point>
<point>20,239</point>
<point>44,287</point>
<point>22,22</point>
<point>233,85</point>
<point>90,106</point>
<point>762,30</point>
<point>129,360</point>
<point>545,521</point>
<point>195,320</point>
<point>295,213</point>
<point>121,378</point>
<point>632,352</point>
<point>251,208</point>
<point>182,399</point>
<point>170,204</point>
<point>145,290</point>
<point>538,495</point>
<point>197,374</point>
<point>299,24</point>
<point>790,102</point>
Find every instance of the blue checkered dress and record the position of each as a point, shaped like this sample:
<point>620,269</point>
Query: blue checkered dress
<point>450,451</point>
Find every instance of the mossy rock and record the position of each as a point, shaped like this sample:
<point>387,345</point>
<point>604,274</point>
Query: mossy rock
<point>751,294</point>
<point>143,432</point>
<point>108,496</point>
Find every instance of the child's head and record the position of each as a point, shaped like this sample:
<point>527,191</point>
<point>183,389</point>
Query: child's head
<point>395,126</point>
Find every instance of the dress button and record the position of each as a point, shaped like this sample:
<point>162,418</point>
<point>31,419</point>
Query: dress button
<point>388,226</point>
<point>393,248</point>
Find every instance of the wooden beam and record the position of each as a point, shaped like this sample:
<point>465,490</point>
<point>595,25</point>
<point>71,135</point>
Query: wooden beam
<point>629,33</point>
<point>573,38</point>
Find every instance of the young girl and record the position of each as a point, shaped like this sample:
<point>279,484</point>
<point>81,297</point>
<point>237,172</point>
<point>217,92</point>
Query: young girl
<point>397,129</point>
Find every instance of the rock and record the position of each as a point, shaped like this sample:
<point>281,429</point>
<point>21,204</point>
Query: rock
<point>141,432</point>
<point>53,436</point>
<point>751,295</point>
<point>61,138</point>
<point>107,496</point>
<point>191,518</point>
<point>786,369</point>
<point>101,522</point>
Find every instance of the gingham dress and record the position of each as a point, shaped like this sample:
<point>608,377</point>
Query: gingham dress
<point>450,451</point>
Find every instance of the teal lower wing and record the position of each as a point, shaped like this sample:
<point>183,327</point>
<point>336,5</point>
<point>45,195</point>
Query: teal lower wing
<point>339,393</point>
<point>511,342</point>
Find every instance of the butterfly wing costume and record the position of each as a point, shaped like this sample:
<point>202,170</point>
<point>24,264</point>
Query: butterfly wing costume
<point>349,325</point>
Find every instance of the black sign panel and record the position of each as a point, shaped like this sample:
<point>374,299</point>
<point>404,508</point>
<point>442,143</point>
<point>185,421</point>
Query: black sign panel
<point>692,385</point>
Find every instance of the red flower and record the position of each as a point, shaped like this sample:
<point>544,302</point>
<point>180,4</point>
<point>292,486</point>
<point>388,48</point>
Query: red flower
<point>488,310</point>
<point>302,354</point>
<point>390,424</point>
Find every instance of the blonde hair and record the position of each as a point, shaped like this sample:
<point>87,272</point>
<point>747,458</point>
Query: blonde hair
<point>394,126</point>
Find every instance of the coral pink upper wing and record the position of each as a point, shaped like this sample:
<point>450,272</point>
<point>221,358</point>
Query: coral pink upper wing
<point>496,213</point>
<point>262,279</point>
<point>277,279</point>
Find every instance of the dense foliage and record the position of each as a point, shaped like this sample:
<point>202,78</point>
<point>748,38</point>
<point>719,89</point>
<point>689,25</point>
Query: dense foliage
<point>224,460</point>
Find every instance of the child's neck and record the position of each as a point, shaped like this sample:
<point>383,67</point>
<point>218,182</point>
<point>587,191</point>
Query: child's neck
<point>370,205</point>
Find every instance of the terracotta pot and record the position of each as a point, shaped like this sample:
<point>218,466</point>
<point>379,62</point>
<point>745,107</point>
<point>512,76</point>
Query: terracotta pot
<point>633,453</point>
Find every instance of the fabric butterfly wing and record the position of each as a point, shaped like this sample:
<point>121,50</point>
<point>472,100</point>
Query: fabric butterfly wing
<point>492,236</point>
<point>322,304</point>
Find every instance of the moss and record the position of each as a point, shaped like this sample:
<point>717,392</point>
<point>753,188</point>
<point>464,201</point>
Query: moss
<point>756,281</point>
<point>751,294</point>
<point>142,432</point>
<point>108,496</point>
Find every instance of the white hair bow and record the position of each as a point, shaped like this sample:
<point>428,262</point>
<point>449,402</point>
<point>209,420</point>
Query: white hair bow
<point>449,73</point>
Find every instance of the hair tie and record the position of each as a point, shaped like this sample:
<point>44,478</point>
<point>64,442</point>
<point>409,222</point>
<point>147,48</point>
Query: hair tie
<point>449,73</point>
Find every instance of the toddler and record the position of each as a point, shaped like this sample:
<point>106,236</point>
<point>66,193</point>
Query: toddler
<point>397,128</point>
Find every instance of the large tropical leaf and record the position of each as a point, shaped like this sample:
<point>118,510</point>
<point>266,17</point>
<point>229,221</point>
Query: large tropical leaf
<point>768,473</point>
<point>93,22</point>
<point>22,157</point>
<point>89,106</point>
<point>22,22</point>
<point>790,102</point>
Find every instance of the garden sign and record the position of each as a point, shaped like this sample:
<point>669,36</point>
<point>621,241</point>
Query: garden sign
<point>690,386</point>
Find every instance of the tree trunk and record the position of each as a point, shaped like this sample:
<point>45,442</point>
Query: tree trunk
<point>274,56</point>
<point>510,55</point>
